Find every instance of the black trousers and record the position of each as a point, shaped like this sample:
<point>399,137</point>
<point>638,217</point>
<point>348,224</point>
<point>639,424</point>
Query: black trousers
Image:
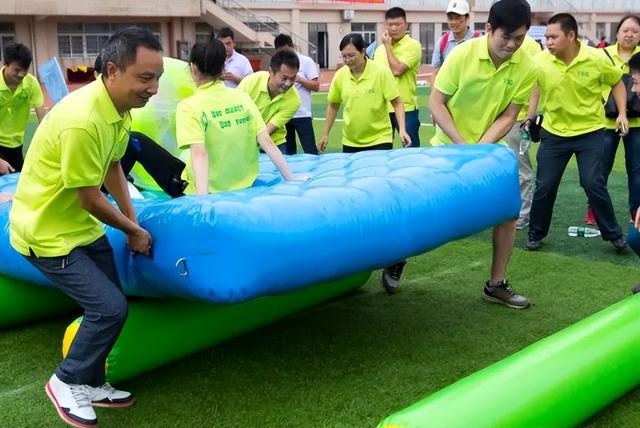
<point>354,149</point>
<point>553,155</point>
<point>14,156</point>
<point>161,165</point>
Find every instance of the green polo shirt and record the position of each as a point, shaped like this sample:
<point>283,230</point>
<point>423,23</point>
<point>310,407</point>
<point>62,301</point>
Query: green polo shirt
<point>73,147</point>
<point>478,92</point>
<point>571,95</point>
<point>14,108</point>
<point>409,52</point>
<point>226,122</point>
<point>277,111</point>
<point>365,100</point>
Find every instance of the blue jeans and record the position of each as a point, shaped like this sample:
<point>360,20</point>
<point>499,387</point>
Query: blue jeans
<point>631,143</point>
<point>412,123</point>
<point>88,275</point>
<point>304,127</point>
<point>553,155</point>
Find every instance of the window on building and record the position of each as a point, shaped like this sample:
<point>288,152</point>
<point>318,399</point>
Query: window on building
<point>203,32</point>
<point>601,31</point>
<point>319,37</point>
<point>445,28</point>
<point>264,27</point>
<point>479,26</point>
<point>76,39</point>
<point>366,29</point>
<point>427,40</point>
<point>7,35</point>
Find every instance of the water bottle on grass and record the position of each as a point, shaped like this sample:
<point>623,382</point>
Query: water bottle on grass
<point>581,231</point>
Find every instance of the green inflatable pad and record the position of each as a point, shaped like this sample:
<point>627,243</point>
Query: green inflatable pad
<point>557,382</point>
<point>21,302</point>
<point>161,331</point>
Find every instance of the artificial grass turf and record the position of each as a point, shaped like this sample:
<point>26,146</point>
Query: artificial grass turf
<point>354,361</point>
<point>348,363</point>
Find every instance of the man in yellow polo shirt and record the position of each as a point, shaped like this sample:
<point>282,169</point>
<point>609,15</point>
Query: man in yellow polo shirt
<point>572,78</point>
<point>476,98</point>
<point>58,210</point>
<point>19,91</point>
<point>274,94</point>
<point>401,54</point>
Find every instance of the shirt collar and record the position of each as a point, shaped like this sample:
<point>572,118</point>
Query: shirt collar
<point>234,54</point>
<point>583,55</point>
<point>215,85</point>
<point>613,50</point>
<point>468,36</point>
<point>105,105</point>
<point>368,69</point>
<point>3,83</point>
<point>402,40</point>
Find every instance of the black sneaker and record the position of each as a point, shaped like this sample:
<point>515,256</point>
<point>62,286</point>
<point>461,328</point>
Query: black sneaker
<point>504,295</point>
<point>620,244</point>
<point>390,278</point>
<point>532,244</point>
<point>636,289</point>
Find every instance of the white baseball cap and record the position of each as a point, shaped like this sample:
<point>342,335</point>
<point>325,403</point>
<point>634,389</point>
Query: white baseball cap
<point>460,7</point>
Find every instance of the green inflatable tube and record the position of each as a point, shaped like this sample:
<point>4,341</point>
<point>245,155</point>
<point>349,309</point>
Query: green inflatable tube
<point>21,302</point>
<point>160,331</point>
<point>557,382</point>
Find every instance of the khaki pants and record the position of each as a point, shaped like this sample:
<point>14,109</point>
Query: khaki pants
<point>525,171</point>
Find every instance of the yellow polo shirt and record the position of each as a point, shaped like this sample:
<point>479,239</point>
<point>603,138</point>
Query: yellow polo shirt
<point>531,48</point>
<point>277,111</point>
<point>409,52</point>
<point>227,122</point>
<point>478,92</point>
<point>73,147</point>
<point>365,100</point>
<point>14,108</point>
<point>634,122</point>
<point>571,96</point>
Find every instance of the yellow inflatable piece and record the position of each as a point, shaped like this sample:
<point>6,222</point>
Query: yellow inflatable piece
<point>69,335</point>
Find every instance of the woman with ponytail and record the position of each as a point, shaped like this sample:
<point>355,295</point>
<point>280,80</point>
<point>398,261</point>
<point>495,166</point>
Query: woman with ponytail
<point>220,126</point>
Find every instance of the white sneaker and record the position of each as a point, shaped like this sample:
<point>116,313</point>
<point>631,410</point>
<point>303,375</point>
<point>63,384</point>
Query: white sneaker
<point>72,403</point>
<point>107,396</point>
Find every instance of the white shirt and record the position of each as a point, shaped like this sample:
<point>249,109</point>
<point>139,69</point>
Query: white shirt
<point>239,65</point>
<point>309,71</point>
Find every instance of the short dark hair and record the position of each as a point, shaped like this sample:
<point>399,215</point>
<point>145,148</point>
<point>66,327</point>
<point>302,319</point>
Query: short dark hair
<point>624,18</point>
<point>566,21</point>
<point>354,39</point>
<point>97,65</point>
<point>122,47</point>
<point>395,12</point>
<point>286,57</point>
<point>510,15</point>
<point>634,63</point>
<point>17,52</point>
<point>226,32</point>
<point>282,40</point>
<point>209,57</point>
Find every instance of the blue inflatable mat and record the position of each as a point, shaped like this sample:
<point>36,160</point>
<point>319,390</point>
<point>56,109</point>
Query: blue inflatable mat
<point>358,212</point>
